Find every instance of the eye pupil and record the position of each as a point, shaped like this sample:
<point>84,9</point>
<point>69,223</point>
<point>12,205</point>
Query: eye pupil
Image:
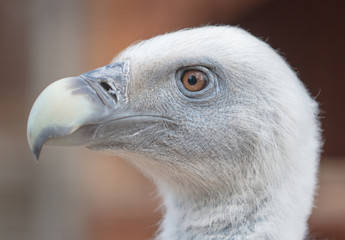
<point>192,80</point>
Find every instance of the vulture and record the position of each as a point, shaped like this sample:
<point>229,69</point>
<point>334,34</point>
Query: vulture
<point>213,116</point>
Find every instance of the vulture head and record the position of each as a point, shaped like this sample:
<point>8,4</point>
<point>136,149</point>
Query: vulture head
<point>214,116</point>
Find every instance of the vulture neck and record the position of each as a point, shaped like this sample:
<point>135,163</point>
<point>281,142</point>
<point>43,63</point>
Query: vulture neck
<point>235,216</point>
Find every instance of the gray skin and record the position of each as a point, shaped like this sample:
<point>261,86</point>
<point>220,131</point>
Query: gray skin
<point>236,160</point>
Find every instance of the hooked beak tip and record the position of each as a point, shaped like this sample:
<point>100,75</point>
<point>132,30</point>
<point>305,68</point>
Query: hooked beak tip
<point>36,152</point>
<point>35,146</point>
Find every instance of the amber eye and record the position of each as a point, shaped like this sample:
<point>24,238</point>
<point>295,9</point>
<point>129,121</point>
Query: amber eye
<point>194,80</point>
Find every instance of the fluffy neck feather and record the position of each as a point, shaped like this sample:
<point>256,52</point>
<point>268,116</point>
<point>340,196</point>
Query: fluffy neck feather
<point>243,215</point>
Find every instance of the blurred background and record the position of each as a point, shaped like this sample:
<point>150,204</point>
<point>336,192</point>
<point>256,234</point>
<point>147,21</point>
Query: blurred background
<point>76,194</point>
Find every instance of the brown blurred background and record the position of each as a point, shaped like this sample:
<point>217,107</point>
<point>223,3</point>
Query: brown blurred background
<point>76,194</point>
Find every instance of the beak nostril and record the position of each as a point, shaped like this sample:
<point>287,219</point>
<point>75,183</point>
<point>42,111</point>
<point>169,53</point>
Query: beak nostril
<point>105,86</point>
<point>109,90</point>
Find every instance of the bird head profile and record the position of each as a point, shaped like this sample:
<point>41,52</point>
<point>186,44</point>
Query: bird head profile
<point>214,116</point>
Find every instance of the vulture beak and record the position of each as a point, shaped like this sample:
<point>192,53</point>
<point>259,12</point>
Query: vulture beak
<point>69,110</point>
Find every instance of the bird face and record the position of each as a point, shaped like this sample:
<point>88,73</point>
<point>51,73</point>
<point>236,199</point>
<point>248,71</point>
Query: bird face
<point>193,106</point>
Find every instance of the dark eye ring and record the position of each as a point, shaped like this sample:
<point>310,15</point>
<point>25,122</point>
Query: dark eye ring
<point>194,80</point>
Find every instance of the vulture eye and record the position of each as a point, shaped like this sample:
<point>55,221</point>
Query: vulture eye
<point>194,80</point>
